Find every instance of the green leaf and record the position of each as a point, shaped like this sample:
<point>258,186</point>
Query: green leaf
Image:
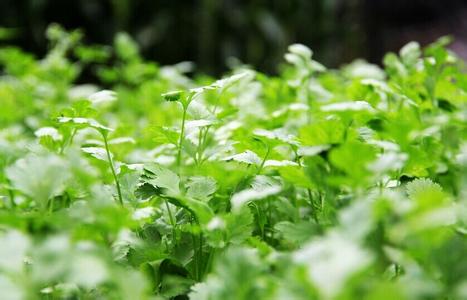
<point>241,198</point>
<point>247,157</point>
<point>164,135</point>
<point>164,178</point>
<point>172,96</point>
<point>410,53</point>
<point>83,123</point>
<point>103,97</point>
<point>201,188</point>
<point>277,135</point>
<point>96,152</point>
<point>126,47</point>
<point>323,132</point>
<point>330,262</point>
<point>39,177</point>
<point>296,176</point>
<point>348,106</point>
<point>426,193</point>
<point>240,267</point>
<point>239,226</point>
<point>296,233</point>
<point>353,158</point>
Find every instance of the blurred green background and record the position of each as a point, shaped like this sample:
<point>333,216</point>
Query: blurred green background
<point>257,32</point>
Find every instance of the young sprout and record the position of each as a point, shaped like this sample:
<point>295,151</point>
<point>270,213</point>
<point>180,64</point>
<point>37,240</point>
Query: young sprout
<point>80,123</point>
<point>185,100</point>
<point>186,97</point>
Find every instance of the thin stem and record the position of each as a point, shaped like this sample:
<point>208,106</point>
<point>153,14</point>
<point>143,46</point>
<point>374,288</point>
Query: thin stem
<point>264,160</point>
<point>260,225</point>
<point>182,133</point>
<point>203,140</point>
<point>195,254</point>
<point>111,164</point>
<point>270,217</point>
<point>208,265</point>
<point>172,221</point>
<point>200,149</point>
<point>51,205</point>
<point>200,255</point>
<point>218,100</point>
<point>12,198</point>
<point>11,194</point>
<point>70,141</point>
<point>314,208</point>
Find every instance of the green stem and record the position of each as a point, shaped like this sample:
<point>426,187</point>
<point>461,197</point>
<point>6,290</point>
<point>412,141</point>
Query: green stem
<point>264,160</point>
<point>198,249</point>
<point>12,198</point>
<point>203,141</point>
<point>314,209</point>
<point>172,221</point>
<point>258,212</point>
<point>11,194</point>
<point>70,141</point>
<point>195,255</point>
<point>200,147</point>
<point>51,205</point>
<point>208,266</point>
<point>111,164</point>
<point>182,133</point>
<point>200,255</point>
<point>270,218</point>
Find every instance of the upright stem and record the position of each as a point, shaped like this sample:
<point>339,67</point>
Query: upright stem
<point>182,133</point>
<point>70,141</point>
<point>11,194</point>
<point>172,221</point>
<point>200,150</point>
<point>264,160</point>
<point>203,140</point>
<point>308,190</point>
<point>200,255</point>
<point>51,205</point>
<point>208,266</point>
<point>111,164</point>
<point>195,254</point>
<point>314,209</point>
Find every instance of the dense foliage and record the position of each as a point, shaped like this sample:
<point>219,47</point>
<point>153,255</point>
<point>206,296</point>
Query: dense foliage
<point>314,184</point>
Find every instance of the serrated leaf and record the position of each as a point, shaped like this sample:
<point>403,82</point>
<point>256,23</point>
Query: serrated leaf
<point>296,233</point>
<point>201,188</point>
<point>426,193</point>
<point>247,157</point>
<point>103,97</point>
<point>312,150</point>
<point>172,96</point>
<point>279,163</point>
<point>164,178</point>
<point>96,152</point>
<point>40,177</point>
<point>276,135</point>
<point>83,123</point>
<point>348,106</point>
<point>241,198</point>
<point>410,53</point>
<point>198,123</point>
<point>48,131</point>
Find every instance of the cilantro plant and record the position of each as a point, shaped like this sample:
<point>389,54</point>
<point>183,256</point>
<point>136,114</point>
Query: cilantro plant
<point>316,183</point>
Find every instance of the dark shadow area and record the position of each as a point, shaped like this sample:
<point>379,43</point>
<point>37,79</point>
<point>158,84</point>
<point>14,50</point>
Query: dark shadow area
<point>257,32</point>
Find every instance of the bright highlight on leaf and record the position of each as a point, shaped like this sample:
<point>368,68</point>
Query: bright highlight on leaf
<point>248,195</point>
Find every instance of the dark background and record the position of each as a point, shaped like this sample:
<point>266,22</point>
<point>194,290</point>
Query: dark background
<point>257,32</point>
